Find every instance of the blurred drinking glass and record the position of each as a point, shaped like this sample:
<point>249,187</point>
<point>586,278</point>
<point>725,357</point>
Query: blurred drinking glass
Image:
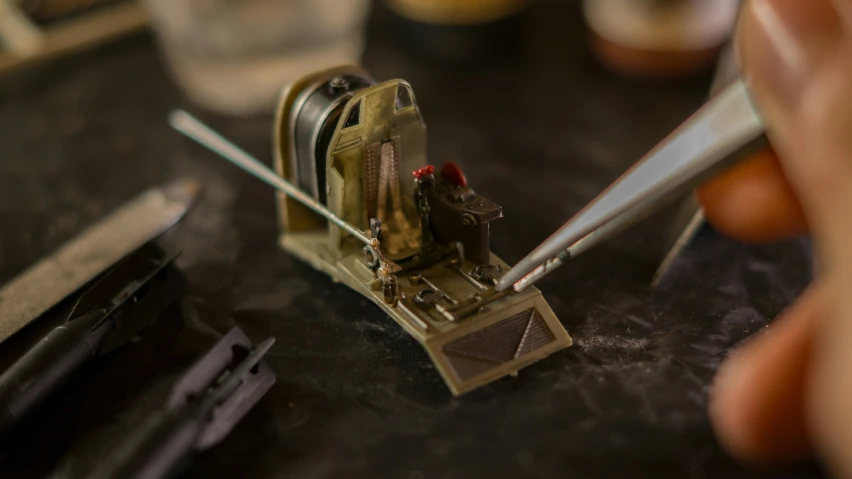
<point>234,56</point>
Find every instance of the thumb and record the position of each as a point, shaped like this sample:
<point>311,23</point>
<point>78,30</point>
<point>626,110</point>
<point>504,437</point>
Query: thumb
<point>797,58</point>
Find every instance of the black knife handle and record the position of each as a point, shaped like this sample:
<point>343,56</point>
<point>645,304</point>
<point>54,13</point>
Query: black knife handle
<point>158,451</point>
<point>46,369</point>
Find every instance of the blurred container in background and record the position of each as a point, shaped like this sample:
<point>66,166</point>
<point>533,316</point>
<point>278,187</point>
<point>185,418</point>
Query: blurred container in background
<point>458,31</point>
<point>234,56</point>
<point>33,31</point>
<point>660,38</point>
<point>46,10</point>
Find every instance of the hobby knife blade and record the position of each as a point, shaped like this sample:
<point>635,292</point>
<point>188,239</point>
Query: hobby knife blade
<point>77,262</point>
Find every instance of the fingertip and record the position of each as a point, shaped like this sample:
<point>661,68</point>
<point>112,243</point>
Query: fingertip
<point>743,417</point>
<point>727,413</point>
<point>753,422</point>
<point>753,202</point>
<point>757,404</point>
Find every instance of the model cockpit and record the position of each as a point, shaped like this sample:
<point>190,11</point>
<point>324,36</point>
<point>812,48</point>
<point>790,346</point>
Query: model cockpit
<point>359,148</point>
<point>418,245</point>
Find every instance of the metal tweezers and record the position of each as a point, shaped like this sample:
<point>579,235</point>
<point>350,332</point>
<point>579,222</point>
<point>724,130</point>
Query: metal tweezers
<point>721,133</point>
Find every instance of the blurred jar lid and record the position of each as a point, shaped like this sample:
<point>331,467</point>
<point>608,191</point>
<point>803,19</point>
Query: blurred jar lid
<point>663,24</point>
<point>456,12</point>
<point>659,38</point>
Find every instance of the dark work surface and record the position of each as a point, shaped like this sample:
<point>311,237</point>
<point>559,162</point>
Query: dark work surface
<point>540,132</point>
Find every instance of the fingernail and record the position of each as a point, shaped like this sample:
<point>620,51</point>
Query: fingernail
<point>781,42</point>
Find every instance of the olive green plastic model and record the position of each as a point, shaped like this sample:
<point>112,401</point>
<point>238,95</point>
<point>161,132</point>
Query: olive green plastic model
<point>359,148</point>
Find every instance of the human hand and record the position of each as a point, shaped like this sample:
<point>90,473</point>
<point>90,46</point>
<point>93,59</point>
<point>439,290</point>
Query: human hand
<point>788,393</point>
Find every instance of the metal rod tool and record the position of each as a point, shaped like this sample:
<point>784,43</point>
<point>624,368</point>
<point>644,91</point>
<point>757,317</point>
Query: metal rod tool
<point>121,305</point>
<point>79,261</point>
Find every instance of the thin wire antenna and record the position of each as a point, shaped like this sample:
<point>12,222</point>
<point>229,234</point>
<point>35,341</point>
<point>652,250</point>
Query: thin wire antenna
<point>198,131</point>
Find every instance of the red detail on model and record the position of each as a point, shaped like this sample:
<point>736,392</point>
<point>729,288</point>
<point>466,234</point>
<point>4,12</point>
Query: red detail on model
<point>454,174</point>
<point>425,171</point>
